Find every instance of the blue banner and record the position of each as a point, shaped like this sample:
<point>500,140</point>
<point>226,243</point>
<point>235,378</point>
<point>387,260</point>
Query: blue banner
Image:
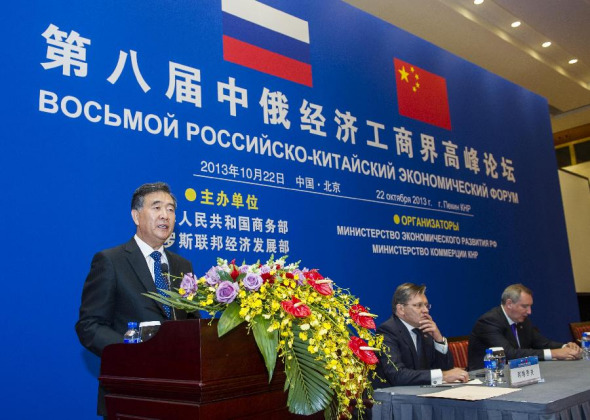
<point>308,129</point>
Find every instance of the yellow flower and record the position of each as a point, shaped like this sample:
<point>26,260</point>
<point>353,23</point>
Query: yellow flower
<point>304,327</point>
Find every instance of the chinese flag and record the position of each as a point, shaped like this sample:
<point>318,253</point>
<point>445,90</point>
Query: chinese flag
<point>421,95</point>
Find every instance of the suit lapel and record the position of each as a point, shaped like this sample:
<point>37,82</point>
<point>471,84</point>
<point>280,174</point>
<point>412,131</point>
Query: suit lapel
<point>139,265</point>
<point>405,334</point>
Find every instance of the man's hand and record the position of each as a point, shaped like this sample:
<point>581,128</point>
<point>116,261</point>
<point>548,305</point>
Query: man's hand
<point>455,375</point>
<point>573,346</point>
<point>428,326</point>
<point>567,353</point>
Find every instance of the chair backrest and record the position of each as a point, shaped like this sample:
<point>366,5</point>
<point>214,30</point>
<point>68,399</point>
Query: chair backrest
<point>458,348</point>
<point>577,328</point>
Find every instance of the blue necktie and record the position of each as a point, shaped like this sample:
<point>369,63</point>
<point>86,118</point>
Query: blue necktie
<point>159,279</point>
<point>515,332</point>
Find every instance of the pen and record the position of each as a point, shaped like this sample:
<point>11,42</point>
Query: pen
<point>438,386</point>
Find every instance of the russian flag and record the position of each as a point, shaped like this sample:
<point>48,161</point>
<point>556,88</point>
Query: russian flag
<point>266,39</point>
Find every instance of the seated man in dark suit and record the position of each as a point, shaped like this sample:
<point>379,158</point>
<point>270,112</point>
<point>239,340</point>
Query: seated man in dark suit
<point>417,348</point>
<point>508,326</point>
<point>113,292</point>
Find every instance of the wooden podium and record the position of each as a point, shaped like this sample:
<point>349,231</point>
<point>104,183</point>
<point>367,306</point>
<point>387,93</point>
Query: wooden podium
<point>186,372</point>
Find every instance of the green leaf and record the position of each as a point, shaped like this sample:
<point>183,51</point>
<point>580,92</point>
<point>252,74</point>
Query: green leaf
<point>309,390</point>
<point>331,412</point>
<point>267,343</point>
<point>225,276</point>
<point>230,319</point>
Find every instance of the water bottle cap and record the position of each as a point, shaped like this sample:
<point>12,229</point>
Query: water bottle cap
<point>489,351</point>
<point>132,324</point>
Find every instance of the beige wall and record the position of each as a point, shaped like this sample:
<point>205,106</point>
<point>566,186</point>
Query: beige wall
<point>575,192</point>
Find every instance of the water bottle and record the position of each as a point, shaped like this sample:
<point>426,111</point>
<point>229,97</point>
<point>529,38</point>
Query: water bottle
<point>132,334</point>
<point>489,365</point>
<point>586,345</point>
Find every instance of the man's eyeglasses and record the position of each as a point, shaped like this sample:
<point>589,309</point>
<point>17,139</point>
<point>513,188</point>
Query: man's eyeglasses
<point>419,305</point>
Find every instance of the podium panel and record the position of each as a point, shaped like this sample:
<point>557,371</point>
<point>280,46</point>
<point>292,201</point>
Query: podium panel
<point>186,372</point>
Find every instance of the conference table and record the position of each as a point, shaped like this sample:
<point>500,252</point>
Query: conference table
<point>563,394</point>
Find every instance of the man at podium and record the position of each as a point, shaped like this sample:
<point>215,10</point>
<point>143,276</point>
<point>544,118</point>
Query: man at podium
<point>113,292</point>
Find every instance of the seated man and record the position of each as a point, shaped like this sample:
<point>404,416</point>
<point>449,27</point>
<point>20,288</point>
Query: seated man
<point>508,326</point>
<point>418,350</point>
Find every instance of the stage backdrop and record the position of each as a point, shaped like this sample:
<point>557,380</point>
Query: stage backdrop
<point>304,128</point>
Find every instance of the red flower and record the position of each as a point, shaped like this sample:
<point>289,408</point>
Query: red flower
<point>322,286</point>
<point>363,352</point>
<point>313,275</point>
<point>296,308</point>
<point>234,270</point>
<point>289,275</point>
<point>267,278</point>
<point>361,317</point>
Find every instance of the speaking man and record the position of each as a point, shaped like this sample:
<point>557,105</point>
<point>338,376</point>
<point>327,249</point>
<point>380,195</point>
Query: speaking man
<point>508,326</point>
<point>113,292</point>
<point>419,352</point>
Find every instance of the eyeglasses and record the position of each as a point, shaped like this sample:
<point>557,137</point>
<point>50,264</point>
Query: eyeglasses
<point>419,305</point>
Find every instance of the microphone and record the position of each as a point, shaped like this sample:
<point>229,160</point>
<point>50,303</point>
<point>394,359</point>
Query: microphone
<point>166,273</point>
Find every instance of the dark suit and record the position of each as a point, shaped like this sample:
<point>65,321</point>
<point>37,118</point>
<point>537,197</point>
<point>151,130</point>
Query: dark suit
<point>112,296</point>
<point>403,353</point>
<point>493,330</point>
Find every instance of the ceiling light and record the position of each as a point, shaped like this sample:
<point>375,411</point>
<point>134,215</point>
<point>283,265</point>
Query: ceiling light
<point>515,24</point>
<point>546,44</point>
<point>477,1</point>
<point>573,61</point>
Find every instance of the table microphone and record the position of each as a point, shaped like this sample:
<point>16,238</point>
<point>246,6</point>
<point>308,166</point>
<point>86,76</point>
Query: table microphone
<point>166,273</point>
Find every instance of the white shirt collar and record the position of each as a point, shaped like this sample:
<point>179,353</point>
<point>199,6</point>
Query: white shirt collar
<point>146,250</point>
<point>408,326</point>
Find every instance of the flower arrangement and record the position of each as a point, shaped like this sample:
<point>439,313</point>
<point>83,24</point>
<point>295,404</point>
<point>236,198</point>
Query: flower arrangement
<point>320,331</point>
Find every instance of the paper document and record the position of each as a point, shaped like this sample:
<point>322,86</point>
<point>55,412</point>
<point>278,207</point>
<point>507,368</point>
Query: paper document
<point>471,393</point>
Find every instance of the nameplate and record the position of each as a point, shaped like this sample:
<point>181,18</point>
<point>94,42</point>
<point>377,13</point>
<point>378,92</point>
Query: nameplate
<point>524,371</point>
